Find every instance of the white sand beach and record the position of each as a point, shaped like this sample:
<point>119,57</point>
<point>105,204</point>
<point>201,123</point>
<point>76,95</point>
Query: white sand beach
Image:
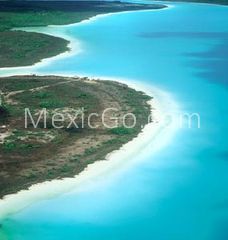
<point>153,136</point>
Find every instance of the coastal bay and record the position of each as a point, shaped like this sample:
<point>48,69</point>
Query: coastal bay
<point>19,48</point>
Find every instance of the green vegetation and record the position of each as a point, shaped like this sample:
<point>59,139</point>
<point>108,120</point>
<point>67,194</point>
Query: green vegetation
<point>121,131</point>
<point>9,147</point>
<point>11,20</point>
<point>90,151</point>
<point>19,48</point>
<point>42,94</point>
<point>4,110</point>
<point>51,104</point>
<point>31,155</point>
<point>21,140</point>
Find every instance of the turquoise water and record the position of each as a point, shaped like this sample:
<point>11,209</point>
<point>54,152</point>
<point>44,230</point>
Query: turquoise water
<point>179,192</point>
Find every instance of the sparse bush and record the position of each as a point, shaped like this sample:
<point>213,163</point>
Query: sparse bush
<point>90,151</point>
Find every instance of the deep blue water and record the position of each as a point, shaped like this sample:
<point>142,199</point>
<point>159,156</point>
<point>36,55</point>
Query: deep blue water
<point>180,192</point>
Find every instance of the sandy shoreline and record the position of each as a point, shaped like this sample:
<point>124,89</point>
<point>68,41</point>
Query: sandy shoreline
<point>75,46</point>
<point>161,104</point>
<point>117,159</point>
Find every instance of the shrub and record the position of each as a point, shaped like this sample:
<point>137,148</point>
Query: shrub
<point>89,151</point>
<point>122,131</point>
<point>4,111</point>
<point>8,146</point>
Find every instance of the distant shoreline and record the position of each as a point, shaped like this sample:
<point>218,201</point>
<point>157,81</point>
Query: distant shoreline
<point>74,45</point>
<point>25,47</point>
<point>213,2</point>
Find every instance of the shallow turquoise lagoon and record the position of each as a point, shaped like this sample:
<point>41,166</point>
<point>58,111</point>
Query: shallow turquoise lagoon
<point>179,192</point>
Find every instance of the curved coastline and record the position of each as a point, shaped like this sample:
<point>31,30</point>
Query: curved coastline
<point>150,133</point>
<point>75,45</point>
<point>149,136</point>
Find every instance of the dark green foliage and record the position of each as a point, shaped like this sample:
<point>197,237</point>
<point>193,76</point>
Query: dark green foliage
<point>19,147</point>
<point>122,131</point>
<point>42,95</point>
<point>50,104</point>
<point>4,111</point>
<point>18,48</point>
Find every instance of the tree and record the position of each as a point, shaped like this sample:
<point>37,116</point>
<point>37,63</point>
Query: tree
<point>4,112</point>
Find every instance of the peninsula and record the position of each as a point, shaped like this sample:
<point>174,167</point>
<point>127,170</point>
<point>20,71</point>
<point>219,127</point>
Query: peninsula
<point>20,48</point>
<point>52,150</point>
